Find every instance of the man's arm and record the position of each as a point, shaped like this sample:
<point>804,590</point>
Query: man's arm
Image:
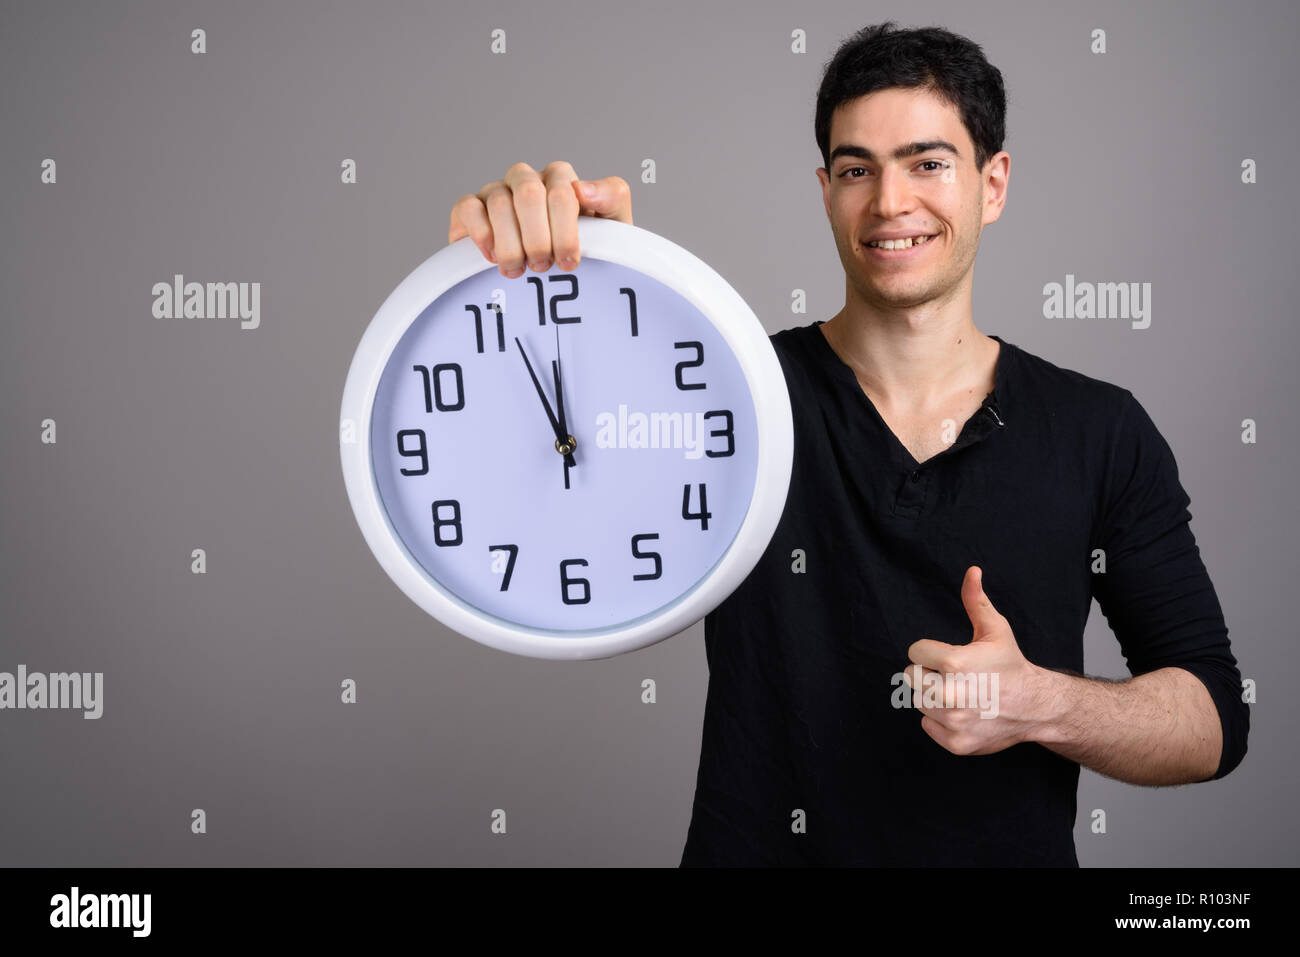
<point>1159,728</point>
<point>1163,726</point>
<point>1181,718</point>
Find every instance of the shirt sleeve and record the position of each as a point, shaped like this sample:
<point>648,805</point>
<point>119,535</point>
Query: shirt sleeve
<point>1155,591</point>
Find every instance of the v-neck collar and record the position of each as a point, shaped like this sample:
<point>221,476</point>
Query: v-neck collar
<point>990,416</point>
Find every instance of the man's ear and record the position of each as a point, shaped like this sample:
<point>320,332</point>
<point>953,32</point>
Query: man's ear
<point>824,178</point>
<point>994,181</point>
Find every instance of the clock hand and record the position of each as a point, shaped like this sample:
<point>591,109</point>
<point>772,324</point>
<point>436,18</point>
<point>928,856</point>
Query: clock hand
<point>560,438</point>
<point>557,373</point>
<point>570,442</point>
<point>559,387</point>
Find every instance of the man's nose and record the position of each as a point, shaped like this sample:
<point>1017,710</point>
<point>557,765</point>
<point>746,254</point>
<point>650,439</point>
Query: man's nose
<point>893,195</point>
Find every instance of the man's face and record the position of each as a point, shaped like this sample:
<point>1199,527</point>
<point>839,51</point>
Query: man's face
<point>932,191</point>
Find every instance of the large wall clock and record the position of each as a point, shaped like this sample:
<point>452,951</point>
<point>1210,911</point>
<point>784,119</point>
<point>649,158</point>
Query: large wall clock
<point>567,464</point>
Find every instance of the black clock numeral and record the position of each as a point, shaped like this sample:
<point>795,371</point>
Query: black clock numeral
<point>699,360</point>
<point>703,514</point>
<point>510,562</point>
<point>478,326</point>
<point>439,523</point>
<point>566,582</point>
<point>558,297</point>
<point>659,565</point>
<point>433,386</point>
<point>728,432</point>
<point>631,305</point>
<point>421,453</point>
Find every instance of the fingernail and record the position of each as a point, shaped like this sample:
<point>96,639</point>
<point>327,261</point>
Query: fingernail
<point>588,189</point>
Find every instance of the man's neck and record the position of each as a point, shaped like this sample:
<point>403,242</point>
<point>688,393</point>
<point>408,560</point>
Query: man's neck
<point>912,362</point>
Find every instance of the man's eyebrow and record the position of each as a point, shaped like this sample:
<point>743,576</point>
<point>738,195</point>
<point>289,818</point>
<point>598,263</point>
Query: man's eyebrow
<point>908,149</point>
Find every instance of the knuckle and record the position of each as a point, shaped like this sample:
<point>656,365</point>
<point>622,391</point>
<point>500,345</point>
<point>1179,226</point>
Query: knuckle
<point>499,201</point>
<point>530,190</point>
<point>537,251</point>
<point>557,166</point>
<point>520,169</point>
<point>507,253</point>
<point>560,197</point>
<point>462,210</point>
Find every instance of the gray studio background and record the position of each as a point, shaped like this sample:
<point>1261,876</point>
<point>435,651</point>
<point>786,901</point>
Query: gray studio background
<point>221,691</point>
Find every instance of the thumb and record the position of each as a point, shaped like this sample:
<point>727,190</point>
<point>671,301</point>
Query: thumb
<point>983,616</point>
<point>608,198</point>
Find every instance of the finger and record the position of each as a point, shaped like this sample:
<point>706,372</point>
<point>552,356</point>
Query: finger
<point>507,248</point>
<point>936,729</point>
<point>469,218</point>
<point>563,207</point>
<point>608,198</point>
<point>533,222</point>
<point>983,616</point>
<point>932,654</point>
<point>939,719</point>
<point>915,675</point>
<point>931,693</point>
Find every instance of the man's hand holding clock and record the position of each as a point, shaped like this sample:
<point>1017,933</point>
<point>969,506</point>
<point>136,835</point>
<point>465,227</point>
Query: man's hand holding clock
<point>682,425</point>
<point>530,218</point>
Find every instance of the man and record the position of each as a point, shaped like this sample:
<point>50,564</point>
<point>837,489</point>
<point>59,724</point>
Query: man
<point>898,681</point>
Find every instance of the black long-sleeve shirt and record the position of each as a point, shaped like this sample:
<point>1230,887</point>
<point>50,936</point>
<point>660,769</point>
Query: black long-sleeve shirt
<point>869,557</point>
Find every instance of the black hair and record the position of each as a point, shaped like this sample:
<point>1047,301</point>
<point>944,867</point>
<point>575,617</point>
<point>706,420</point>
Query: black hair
<point>881,56</point>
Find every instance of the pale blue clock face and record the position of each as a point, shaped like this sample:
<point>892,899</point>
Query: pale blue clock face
<point>465,458</point>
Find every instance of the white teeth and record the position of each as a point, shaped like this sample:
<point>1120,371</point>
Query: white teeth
<point>900,243</point>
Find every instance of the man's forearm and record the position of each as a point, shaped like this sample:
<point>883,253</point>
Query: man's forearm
<point>1159,728</point>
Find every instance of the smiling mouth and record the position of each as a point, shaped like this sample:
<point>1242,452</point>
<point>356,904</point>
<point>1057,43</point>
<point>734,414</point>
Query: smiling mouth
<point>894,245</point>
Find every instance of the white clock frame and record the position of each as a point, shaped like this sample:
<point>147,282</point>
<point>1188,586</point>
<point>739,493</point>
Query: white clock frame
<point>691,278</point>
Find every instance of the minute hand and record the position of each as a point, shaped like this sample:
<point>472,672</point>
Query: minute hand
<point>555,424</point>
<point>558,375</point>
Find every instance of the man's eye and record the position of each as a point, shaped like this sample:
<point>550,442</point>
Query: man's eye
<point>930,166</point>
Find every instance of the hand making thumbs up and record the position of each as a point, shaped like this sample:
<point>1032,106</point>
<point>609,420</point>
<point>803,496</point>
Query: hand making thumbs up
<point>980,697</point>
